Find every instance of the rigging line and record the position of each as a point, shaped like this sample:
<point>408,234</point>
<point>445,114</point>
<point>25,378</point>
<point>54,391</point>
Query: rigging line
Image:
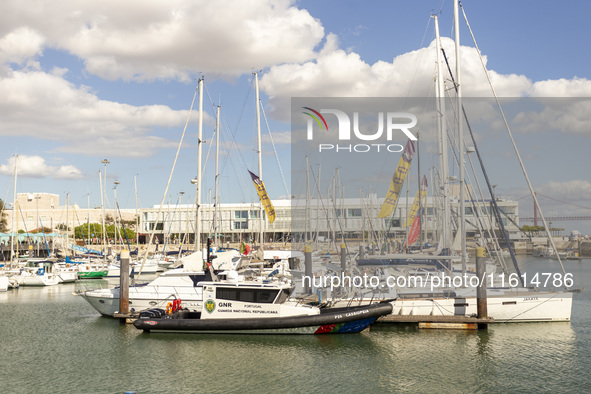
<point>563,202</point>
<point>275,150</point>
<point>330,230</point>
<point>25,225</point>
<point>531,189</point>
<point>233,135</point>
<point>213,108</point>
<point>418,60</point>
<point>233,143</point>
<point>490,190</point>
<point>226,156</point>
<point>168,183</point>
<point>117,232</point>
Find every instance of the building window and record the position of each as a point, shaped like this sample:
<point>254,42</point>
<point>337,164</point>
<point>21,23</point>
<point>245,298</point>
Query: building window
<point>392,223</point>
<point>240,225</point>
<point>159,226</point>
<point>240,214</point>
<point>354,213</point>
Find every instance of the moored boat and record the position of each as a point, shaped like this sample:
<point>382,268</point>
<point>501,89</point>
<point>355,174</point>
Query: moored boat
<point>259,308</point>
<point>177,283</point>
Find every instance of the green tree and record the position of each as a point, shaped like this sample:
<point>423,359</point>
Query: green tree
<point>82,231</point>
<point>3,220</point>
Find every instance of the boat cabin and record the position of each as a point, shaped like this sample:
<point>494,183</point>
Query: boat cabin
<point>226,300</point>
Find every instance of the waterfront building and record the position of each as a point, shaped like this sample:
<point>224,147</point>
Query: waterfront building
<point>296,220</point>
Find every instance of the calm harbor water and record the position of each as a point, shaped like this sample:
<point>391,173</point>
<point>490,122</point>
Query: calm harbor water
<point>52,342</point>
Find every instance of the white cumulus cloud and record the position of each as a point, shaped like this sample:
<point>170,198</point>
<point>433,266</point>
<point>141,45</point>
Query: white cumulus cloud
<point>176,39</point>
<point>36,167</point>
<point>48,107</point>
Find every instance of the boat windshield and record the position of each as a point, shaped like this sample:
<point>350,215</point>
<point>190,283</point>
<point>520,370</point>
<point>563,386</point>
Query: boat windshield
<point>263,296</point>
<point>283,296</point>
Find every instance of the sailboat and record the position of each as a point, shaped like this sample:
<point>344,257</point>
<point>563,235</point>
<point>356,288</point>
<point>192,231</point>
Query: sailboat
<point>506,303</point>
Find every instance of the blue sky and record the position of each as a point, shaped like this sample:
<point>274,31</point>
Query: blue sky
<point>84,81</point>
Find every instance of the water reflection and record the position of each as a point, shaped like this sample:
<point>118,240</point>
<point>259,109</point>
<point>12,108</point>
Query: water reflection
<point>64,337</point>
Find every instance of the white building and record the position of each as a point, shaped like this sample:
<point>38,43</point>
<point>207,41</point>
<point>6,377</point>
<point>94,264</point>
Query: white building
<point>351,218</point>
<point>296,220</point>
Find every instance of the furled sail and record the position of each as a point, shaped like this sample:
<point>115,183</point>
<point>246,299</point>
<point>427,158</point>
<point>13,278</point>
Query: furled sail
<point>397,180</point>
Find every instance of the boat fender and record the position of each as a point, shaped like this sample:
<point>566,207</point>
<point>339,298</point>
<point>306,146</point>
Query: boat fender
<point>176,305</point>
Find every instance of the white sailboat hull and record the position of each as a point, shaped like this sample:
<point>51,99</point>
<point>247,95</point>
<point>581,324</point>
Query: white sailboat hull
<point>504,308</point>
<point>38,280</point>
<point>67,276</point>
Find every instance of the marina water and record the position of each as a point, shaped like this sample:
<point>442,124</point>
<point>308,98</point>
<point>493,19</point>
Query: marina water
<point>54,342</point>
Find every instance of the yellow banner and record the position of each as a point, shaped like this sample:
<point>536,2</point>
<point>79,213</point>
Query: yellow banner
<point>416,204</point>
<point>265,200</point>
<point>397,180</point>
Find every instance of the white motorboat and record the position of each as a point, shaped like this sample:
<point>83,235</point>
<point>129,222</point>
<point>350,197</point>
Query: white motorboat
<point>236,306</point>
<point>173,284</point>
<point>37,273</point>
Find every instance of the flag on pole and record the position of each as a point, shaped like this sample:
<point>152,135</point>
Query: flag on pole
<point>244,248</point>
<point>414,232</point>
<point>397,180</point>
<point>265,200</point>
<point>416,204</point>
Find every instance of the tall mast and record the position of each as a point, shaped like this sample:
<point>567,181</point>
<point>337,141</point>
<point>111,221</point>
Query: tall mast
<point>260,152</point>
<point>67,217</point>
<point>446,227</point>
<point>216,192</point>
<point>103,198</point>
<point>117,236</point>
<point>199,154</point>
<point>87,217</point>
<point>307,225</point>
<point>137,232</point>
<point>103,214</point>
<point>14,213</point>
<point>460,136</point>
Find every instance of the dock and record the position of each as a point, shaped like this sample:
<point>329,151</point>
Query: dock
<point>438,322</point>
<point>126,318</point>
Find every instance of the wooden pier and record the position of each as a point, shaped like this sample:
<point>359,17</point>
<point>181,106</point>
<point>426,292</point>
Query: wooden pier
<point>438,322</point>
<point>126,318</point>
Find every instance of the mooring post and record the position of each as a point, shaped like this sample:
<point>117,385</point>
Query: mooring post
<point>481,304</point>
<point>124,284</point>
<point>308,268</point>
<point>343,257</point>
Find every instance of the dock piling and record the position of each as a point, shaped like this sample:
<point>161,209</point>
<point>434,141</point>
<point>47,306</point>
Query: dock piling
<point>124,284</point>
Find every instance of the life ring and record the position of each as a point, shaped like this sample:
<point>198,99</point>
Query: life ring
<point>169,308</point>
